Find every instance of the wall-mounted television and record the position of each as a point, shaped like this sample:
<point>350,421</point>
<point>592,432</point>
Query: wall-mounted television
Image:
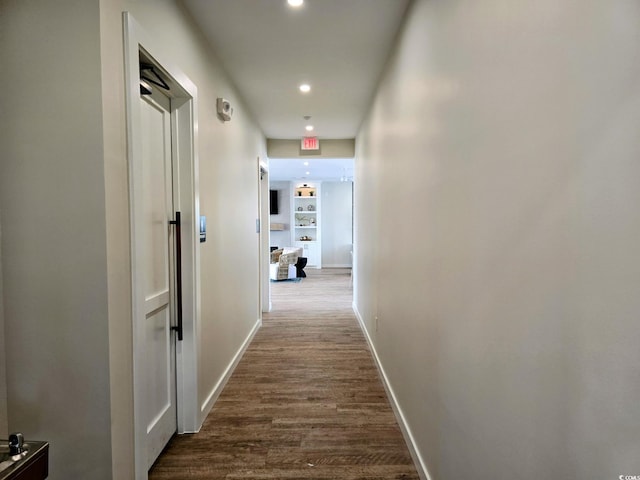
<point>273,202</point>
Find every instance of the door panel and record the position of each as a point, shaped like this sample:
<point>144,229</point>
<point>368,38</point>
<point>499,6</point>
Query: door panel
<point>158,362</point>
<point>156,189</point>
<point>158,342</point>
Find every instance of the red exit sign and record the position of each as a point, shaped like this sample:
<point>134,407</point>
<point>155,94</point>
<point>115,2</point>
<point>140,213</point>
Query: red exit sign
<point>310,143</point>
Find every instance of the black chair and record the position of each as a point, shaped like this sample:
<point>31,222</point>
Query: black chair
<point>300,264</point>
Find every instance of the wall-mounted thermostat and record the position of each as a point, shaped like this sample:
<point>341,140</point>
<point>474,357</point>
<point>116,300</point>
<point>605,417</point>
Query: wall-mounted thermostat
<point>203,229</point>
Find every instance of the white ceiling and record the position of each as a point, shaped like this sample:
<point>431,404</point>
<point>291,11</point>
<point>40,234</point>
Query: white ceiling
<point>327,169</point>
<point>339,47</point>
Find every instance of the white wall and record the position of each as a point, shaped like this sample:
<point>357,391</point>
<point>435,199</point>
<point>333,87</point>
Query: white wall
<point>336,221</point>
<point>504,141</point>
<point>282,238</point>
<point>54,265</point>
<point>65,245</point>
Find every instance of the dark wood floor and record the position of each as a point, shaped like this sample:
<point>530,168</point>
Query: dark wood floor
<point>305,401</point>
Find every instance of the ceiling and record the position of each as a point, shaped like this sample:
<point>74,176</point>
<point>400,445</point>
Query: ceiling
<point>268,48</point>
<point>326,169</point>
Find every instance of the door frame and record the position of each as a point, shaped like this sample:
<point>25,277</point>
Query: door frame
<point>184,127</point>
<point>264,285</point>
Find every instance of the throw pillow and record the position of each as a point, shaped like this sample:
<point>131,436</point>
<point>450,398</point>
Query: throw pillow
<point>275,255</point>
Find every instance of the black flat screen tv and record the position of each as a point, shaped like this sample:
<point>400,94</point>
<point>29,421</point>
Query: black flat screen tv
<point>273,202</point>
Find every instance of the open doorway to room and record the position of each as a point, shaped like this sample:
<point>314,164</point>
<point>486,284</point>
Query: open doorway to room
<point>310,221</point>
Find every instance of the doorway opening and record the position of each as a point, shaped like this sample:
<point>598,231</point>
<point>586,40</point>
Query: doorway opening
<point>313,218</point>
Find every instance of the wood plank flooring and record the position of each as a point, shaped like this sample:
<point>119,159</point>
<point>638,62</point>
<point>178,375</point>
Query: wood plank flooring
<point>305,401</point>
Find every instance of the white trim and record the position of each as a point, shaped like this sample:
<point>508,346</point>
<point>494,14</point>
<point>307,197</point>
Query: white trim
<point>185,115</point>
<point>207,405</point>
<point>404,426</point>
<point>337,265</point>
<point>187,352</point>
<point>265,238</point>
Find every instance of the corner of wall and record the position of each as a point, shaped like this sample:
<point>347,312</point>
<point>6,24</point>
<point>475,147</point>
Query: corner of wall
<point>4,424</point>
<point>117,242</point>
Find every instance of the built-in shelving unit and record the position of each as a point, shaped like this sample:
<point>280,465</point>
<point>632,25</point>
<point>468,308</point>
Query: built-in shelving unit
<point>305,221</point>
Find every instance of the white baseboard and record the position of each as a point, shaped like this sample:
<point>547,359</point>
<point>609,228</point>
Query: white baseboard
<point>336,265</point>
<point>402,422</point>
<point>217,390</point>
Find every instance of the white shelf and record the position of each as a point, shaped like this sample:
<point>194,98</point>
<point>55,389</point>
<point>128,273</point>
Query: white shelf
<point>309,206</point>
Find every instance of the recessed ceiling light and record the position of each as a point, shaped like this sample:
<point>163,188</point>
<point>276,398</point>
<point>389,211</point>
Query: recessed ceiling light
<point>309,128</point>
<point>306,163</point>
<point>295,3</point>
<point>305,87</point>
<point>307,173</point>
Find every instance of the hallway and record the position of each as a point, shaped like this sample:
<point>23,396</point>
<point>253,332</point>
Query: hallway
<point>495,223</point>
<point>304,402</point>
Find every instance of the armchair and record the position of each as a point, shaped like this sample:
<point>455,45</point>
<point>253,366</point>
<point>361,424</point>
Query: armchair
<point>287,263</point>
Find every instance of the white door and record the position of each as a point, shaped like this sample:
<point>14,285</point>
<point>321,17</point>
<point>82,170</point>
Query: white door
<point>159,403</point>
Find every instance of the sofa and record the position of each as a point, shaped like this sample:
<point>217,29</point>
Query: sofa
<point>287,263</point>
